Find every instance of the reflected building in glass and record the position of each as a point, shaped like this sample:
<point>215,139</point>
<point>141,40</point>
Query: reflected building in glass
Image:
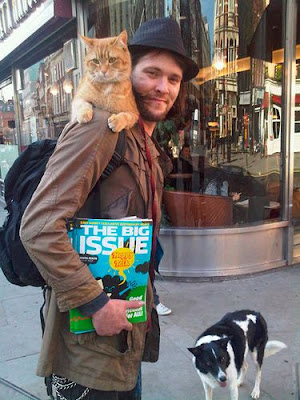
<point>226,44</point>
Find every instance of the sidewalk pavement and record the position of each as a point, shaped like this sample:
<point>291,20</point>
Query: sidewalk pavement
<point>196,305</point>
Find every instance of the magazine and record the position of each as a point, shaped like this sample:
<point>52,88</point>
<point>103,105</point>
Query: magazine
<point>118,254</point>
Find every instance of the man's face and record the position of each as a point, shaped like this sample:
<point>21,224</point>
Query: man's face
<point>156,82</point>
<point>186,152</point>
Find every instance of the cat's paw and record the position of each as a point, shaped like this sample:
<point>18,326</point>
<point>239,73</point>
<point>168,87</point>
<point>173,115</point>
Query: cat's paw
<point>85,115</point>
<point>117,122</point>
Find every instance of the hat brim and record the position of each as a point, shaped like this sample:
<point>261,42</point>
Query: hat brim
<point>191,68</point>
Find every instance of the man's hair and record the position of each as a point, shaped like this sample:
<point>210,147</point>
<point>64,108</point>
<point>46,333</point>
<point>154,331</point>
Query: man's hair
<point>185,145</point>
<point>178,109</point>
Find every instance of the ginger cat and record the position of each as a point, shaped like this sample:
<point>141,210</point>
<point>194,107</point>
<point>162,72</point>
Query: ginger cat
<point>106,83</point>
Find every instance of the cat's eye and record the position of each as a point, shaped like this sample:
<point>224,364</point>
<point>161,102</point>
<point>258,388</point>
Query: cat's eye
<point>112,60</point>
<point>96,61</point>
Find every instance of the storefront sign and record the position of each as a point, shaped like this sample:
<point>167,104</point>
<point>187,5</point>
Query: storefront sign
<point>13,12</point>
<point>20,19</point>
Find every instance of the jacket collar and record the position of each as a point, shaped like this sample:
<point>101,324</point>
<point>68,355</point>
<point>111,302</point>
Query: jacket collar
<point>155,150</point>
<point>139,137</point>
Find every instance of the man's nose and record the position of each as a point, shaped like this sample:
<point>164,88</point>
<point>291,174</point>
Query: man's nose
<point>162,85</point>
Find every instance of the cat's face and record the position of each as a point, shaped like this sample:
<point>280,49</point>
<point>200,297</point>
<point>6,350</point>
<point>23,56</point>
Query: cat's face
<point>108,60</point>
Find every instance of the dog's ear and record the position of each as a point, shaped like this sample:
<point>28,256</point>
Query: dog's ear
<point>196,351</point>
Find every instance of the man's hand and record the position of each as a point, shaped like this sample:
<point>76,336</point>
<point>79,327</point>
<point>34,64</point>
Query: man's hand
<point>111,319</point>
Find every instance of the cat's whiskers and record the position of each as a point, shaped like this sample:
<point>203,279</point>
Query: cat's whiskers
<point>94,78</point>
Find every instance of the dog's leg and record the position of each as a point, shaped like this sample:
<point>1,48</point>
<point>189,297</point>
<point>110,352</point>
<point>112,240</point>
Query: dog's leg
<point>208,391</point>
<point>233,387</point>
<point>242,374</point>
<point>257,357</point>
<point>234,393</point>
<point>256,390</point>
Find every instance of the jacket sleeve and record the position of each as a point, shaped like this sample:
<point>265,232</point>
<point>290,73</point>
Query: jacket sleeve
<point>81,155</point>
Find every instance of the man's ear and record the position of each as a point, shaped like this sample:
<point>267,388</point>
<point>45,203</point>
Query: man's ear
<point>196,351</point>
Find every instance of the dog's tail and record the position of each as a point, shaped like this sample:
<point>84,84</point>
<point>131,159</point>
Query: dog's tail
<point>273,347</point>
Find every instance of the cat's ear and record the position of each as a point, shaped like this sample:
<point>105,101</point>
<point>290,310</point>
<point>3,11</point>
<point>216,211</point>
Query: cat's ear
<point>87,41</point>
<point>122,39</point>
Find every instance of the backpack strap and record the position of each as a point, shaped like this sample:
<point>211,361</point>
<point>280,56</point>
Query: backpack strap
<point>90,208</point>
<point>117,157</point>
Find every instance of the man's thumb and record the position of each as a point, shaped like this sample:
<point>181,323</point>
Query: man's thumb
<point>134,304</point>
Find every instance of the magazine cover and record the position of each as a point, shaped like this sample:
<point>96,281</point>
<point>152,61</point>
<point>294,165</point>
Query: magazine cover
<point>118,255</point>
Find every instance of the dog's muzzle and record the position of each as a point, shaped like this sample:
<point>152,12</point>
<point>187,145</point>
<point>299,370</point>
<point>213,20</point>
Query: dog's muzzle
<point>222,379</point>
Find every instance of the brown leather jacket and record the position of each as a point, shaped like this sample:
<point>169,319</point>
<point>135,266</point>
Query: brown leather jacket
<point>81,155</point>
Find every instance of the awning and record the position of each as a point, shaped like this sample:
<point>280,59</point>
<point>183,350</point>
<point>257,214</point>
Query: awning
<point>42,32</point>
<point>277,99</point>
<point>265,103</point>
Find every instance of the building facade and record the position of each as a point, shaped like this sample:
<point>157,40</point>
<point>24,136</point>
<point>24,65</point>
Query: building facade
<point>232,203</point>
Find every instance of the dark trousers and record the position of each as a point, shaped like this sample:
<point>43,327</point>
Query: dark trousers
<point>155,296</point>
<point>76,392</point>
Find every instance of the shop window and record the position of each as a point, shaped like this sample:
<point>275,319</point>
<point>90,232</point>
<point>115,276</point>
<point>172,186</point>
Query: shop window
<point>297,121</point>
<point>46,94</point>
<point>296,176</point>
<point>225,147</point>
<point>8,134</point>
<point>276,122</point>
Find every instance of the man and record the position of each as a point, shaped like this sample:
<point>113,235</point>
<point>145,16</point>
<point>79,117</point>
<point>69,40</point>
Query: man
<point>104,364</point>
<point>183,166</point>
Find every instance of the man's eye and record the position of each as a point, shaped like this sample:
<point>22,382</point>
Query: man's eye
<point>112,60</point>
<point>96,61</point>
<point>174,80</point>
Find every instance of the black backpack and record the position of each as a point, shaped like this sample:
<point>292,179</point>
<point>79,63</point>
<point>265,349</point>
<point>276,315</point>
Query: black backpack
<point>20,183</point>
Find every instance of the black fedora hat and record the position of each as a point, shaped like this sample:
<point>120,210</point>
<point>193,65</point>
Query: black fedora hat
<point>163,33</point>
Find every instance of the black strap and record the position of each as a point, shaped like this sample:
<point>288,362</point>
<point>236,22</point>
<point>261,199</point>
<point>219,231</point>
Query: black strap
<point>117,157</point>
<point>45,288</point>
<point>48,384</point>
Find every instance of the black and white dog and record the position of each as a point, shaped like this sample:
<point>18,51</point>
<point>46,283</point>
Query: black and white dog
<point>220,352</point>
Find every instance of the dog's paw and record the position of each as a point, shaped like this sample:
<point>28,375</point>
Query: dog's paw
<point>255,393</point>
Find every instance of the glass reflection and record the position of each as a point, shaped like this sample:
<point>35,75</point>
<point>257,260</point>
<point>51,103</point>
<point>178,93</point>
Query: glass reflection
<point>233,119</point>
<point>46,92</point>
<point>8,136</point>
<point>226,146</point>
<point>296,180</point>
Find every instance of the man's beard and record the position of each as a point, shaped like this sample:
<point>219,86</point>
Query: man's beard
<point>145,113</point>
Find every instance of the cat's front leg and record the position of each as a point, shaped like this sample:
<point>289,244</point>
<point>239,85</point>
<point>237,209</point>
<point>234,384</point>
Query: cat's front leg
<point>122,120</point>
<point>82,111</point>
